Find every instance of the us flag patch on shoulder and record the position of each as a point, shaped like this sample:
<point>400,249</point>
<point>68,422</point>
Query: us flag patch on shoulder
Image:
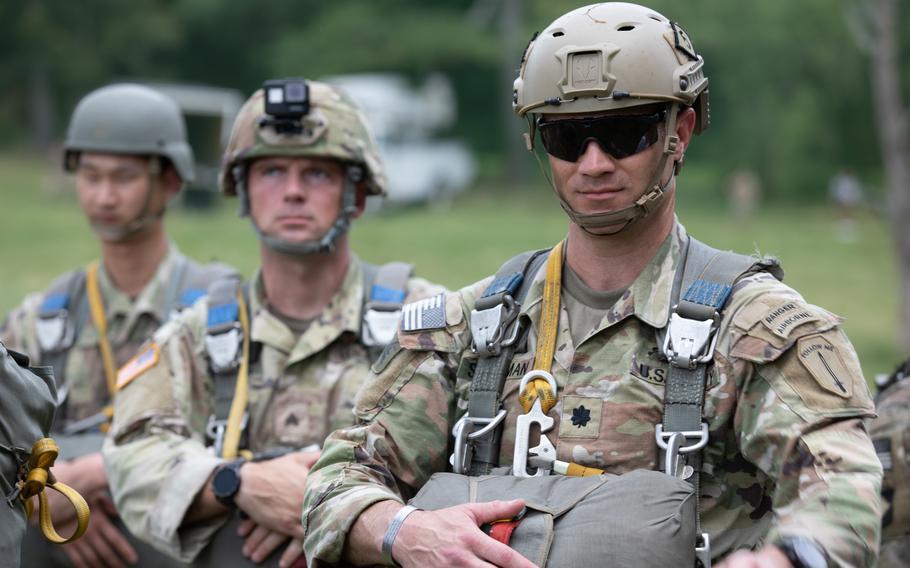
<point>426,314</point>
<point>142,362</point>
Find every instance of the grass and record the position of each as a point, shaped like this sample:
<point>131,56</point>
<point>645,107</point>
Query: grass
<point>43,234</point>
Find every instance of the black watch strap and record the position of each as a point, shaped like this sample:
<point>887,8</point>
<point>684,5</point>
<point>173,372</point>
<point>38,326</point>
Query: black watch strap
<point>226,482</point>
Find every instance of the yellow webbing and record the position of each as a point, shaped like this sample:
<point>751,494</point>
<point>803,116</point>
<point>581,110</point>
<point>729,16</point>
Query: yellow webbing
<point>546,335</point>
<point>238,403</point>
<point>98,318</point>
<point>543,357</point>
<point>44,454</point>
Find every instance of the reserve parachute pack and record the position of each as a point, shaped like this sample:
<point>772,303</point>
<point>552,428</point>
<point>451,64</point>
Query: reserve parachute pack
<point>64,312</point>
<point>564,523</point>
<point>27,406</point>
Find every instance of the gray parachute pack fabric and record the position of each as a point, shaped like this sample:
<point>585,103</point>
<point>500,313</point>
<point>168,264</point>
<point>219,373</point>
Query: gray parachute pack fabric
<point>553,533</point>
<point>27,406</point>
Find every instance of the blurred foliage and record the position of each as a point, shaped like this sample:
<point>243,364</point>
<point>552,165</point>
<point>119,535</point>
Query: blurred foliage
<point>789,85</point>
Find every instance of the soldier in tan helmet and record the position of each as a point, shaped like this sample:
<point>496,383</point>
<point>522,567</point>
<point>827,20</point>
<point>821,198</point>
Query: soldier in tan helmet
<point>630,397</point>
<point>127,149</point>
<point>223,413</point>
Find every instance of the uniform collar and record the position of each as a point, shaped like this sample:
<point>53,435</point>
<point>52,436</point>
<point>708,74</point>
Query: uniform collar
<point>342,314</point>
<point>151,299</point>
<point>648,298</point>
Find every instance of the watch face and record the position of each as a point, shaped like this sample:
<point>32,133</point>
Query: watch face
<point>226,481</point>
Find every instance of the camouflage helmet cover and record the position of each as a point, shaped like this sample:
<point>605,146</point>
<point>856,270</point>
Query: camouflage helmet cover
<point>610,56</point>
<point>333,128</point>
<point>129,119</point>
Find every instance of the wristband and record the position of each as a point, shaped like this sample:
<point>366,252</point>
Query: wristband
<point>392,532</point>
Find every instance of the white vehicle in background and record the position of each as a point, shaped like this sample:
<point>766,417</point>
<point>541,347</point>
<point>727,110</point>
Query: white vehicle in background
<point>420,168</point>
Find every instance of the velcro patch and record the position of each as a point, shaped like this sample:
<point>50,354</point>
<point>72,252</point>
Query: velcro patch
<point>426,314</point>
<point>821,358</point>
<point>787,317</point>
<point>142,362</point>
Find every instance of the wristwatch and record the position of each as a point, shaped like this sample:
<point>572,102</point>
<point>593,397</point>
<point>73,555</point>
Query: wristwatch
<point>226,482</point>
<point>802,552</point>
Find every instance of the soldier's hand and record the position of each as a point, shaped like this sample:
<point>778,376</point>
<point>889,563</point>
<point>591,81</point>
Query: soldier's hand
<point>452,537</point>
<point>84,474</point>
<point>259,543</point>
<point>102,544</point>
<point>767,557</point>
<point>271,492</point>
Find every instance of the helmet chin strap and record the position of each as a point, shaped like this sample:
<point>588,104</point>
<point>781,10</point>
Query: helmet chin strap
<point>145,217</point>
<point>622,218</point>
<point>327,242</point>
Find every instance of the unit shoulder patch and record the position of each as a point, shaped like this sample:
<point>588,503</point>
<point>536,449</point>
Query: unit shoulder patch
<point>142,362</point>
<point>822,359</point>
<point>424,315</point>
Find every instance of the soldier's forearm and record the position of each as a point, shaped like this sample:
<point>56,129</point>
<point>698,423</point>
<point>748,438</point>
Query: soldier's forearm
<point>85,474</point>
<point>364,544</point>
<point>205,506</point>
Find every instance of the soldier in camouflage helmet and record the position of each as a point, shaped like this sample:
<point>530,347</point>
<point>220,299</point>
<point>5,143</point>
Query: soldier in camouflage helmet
<point>890,433</point>
<point>227,408</point>
<point>127,148</point>
<point>663,354</point>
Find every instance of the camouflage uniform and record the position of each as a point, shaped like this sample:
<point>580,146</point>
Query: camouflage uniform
<point>788,453</point>
<point>300,389</point>
<point>890,433</point>
<point>130,323</point>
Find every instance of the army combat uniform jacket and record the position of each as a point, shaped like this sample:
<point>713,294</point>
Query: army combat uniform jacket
<point>81,380</point>
<point>300,389</point>
<point>787,454</point>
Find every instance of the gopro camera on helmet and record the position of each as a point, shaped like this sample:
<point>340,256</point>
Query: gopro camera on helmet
<point>287,101</point>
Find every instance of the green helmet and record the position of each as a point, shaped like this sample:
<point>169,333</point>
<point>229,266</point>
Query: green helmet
<point>129,119</point>
<point>606,57</point>
<point>610,56</point>
<point>331,126</point>
<point>335,128</point>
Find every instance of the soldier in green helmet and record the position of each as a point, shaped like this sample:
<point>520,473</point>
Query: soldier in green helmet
<point>630,397</point>
<point>224,412</point>
<point>127,149</point>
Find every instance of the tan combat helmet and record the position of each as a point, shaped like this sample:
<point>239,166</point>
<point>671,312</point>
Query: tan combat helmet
<point>611,56</point>
<point>331,127</point>
<point>134,120</point>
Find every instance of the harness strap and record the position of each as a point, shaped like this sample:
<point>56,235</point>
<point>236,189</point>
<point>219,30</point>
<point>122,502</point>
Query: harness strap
<point>384,291</point>
<point>707,276</point>
<point>496,328</point>
<point>57,325</point>
<point>238,414</point>
<point>225,341</point>
<point>96,305</point>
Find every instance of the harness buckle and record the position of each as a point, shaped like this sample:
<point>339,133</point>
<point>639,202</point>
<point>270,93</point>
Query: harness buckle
<point>380,325</point>
<point>216,428</point>
<point>703,549</point>
<point>222,344</point>
<point>463,432</point>
<point>489,325</point>
<point>689,341</point>
<point>51,330</point>
<point>672,445</point>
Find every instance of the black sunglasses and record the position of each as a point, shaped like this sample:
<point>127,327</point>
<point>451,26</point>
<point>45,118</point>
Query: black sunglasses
<point>619,136</point>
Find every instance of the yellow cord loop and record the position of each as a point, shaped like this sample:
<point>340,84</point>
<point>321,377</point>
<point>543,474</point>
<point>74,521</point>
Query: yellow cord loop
<point>44,454</point>
<point>96,305</point>
<point>239,402</point>
<point>546,335</point>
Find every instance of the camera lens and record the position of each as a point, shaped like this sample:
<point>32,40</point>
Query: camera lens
<point>294,92</point>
